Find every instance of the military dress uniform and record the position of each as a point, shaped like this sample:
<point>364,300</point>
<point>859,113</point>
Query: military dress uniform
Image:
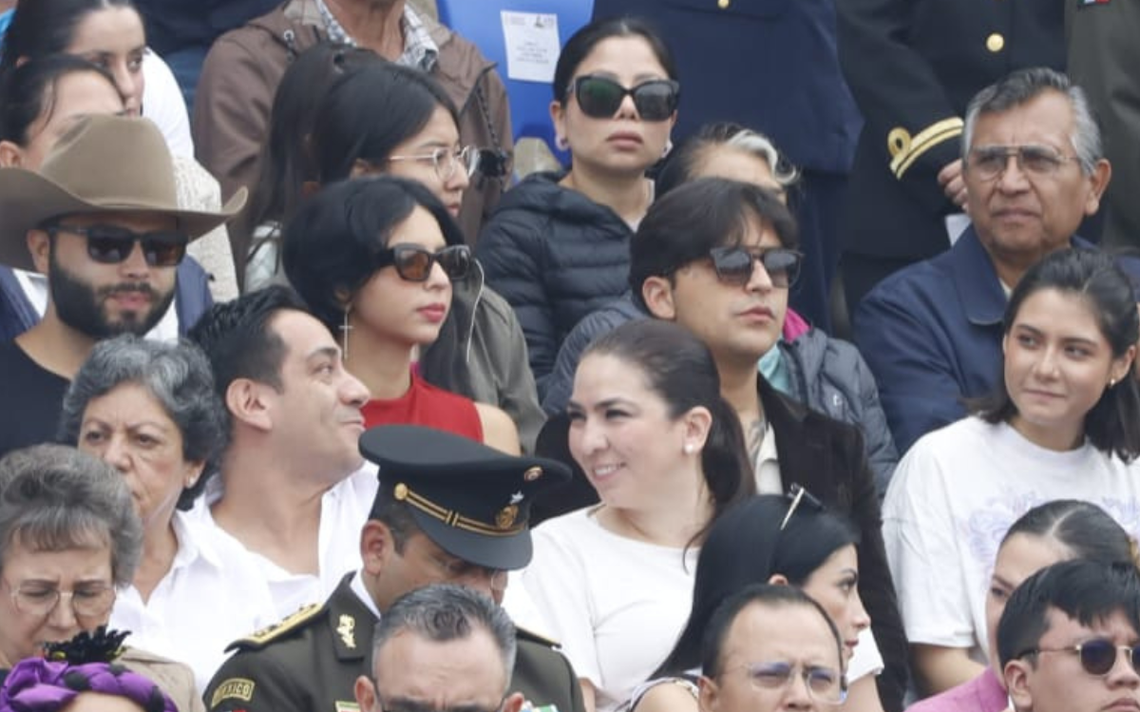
<point>913,66</point>
<point>310,661</point>
<point>470,500</point>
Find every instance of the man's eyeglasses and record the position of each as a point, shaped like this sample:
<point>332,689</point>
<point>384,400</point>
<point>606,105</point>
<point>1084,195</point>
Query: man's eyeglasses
<point>733,265</point>
<point>797,494</point>
<point>111,244</point>
<point>1097,656</point>
<point>89,601</point>
<point>989,162</point>
<point>414,263</point>
<point>823,684</point>
<point>447,160</point>
<point>601,97</point>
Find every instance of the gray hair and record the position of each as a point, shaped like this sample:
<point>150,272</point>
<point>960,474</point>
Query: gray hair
<point>446,612</point>
<point>761,146</point>
<point>178,376</point>
<point>53,498</point>
<point>1025,85</point>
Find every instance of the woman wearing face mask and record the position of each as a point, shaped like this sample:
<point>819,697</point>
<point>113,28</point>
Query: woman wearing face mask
<point>1047,534</point>
<point>787,540</point>
<point>1061,425</point>
<point>557,247</point>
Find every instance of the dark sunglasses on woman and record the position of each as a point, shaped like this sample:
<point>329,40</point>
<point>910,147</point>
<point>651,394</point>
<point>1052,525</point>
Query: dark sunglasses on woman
<point>414,263</point>
<point>733,265</point>
<point>601,97</point>
<point>111,244</point>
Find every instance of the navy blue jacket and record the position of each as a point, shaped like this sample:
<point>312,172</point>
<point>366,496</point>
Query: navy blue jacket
<point>172,25</point>
<point>931,334</point>
<point>771,65</point>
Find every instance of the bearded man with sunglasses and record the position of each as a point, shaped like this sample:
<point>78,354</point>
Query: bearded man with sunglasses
<point>101,220</point>
<point>1069,639</point>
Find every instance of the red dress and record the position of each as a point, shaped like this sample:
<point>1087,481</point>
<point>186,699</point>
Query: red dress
<point>424,404</point>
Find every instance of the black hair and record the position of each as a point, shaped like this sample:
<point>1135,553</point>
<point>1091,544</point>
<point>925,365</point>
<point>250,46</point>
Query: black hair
<point>1086,530</point>
<point>238,340</point>
<point>684,225</point>
<point>329,247</point>
<point>43,27</point>
<point>582,42</point>
<point>28,92</point>
<point>1094,277</point>
<point>286,163</point>
<point>1086,591</point>
<point>686,159</point>
<point>680,369</point>
<point>746,545</point>
<point>767,595</point>
<point>368,112</point>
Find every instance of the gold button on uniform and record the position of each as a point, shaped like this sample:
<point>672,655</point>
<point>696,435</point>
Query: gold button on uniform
<point>995,42</point>
<point>722,4</point>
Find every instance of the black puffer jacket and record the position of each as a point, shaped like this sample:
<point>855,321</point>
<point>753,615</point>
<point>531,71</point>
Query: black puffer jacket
<point>555,256</point>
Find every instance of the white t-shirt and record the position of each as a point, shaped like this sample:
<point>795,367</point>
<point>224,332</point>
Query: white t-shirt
<point>209,598</point>
<point>950,502</point>
<point>616,605</point>
<point>344,510</point>
<point>162,103</point>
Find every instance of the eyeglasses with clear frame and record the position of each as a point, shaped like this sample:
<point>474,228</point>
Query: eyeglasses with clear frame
<point>88,601</point>
<point>824,684</point>
<point>447,160</point>
<point>989,162</point>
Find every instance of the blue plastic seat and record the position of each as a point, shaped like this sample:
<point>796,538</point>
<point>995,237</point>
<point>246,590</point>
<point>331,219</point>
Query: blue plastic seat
<point>480,22</point>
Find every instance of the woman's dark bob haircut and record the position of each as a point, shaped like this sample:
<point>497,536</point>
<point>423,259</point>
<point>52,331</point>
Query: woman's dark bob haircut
<point>329,248</point>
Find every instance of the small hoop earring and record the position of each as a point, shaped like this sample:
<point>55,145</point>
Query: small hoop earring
<point>345,327</point>
<point>561,143</point>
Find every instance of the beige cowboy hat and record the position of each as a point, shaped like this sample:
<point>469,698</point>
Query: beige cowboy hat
<point>102,164</point>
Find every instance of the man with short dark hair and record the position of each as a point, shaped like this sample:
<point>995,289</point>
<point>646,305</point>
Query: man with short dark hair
<point>291,487</point>
<point>771,648</point>
<point>1033,169</point>
<point>101,220</point>
<point>448,510</point>
<point>1069,639</point>
<point>441,647</point>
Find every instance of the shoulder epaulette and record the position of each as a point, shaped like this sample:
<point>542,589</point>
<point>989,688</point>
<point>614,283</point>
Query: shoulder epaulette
<point>259,639</point>
<point>524,634</point>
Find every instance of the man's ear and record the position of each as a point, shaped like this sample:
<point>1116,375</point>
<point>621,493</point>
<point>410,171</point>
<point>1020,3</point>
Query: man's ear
<point>1098,181</point>
<point>365,693</point>
<point>658,295</point>
<point>245,400</point>
<point>377,546</point>
<point>10,155</point>
<point>39,246</point>
<point>1017,673</point>
<point>514,701</point>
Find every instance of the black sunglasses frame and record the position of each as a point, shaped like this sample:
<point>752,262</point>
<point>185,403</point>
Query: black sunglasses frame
<point>644,105</point>
<point>112,245</point>
<point>739,275</point>
<point>456,261</point>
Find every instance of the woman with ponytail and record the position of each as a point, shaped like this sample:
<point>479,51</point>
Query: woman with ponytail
<point>665,453</point>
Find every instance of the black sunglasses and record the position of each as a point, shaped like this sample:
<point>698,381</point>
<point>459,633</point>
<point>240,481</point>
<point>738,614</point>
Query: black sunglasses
<point>601,97</point>
<point>414,263</point>
<point>111,244</point>
<point>1097,656</point>
<point>733,265</point>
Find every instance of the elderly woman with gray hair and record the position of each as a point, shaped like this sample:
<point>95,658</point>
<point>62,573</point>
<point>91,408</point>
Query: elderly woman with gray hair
<point>149,409</point>
<point>68,539</point>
